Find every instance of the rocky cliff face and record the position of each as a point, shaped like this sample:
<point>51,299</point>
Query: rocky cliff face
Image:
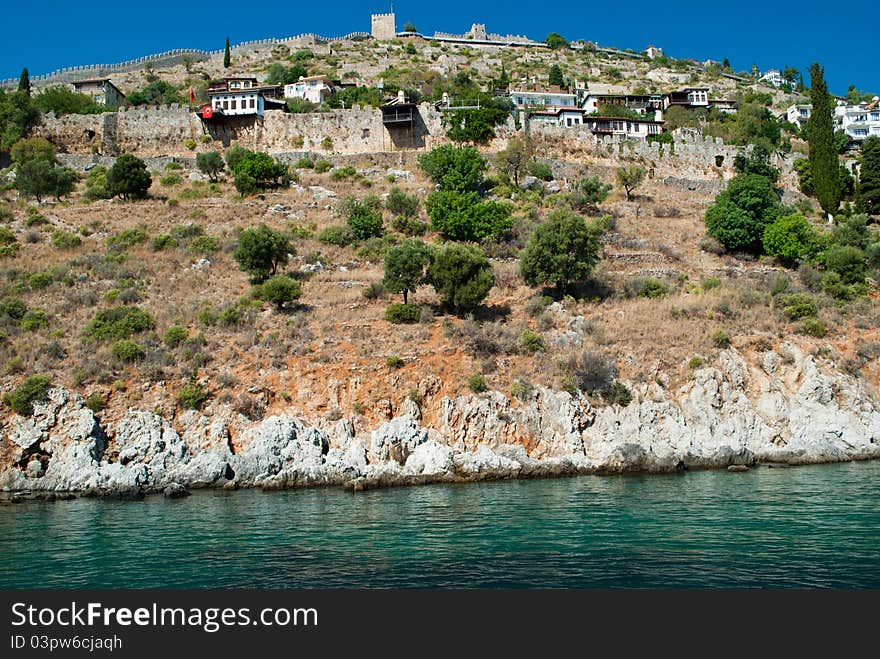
<point>783,408</point>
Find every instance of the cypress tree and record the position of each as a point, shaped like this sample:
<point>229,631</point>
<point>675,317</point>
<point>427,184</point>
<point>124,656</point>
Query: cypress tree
<point>555,76</point>
<point>227,56</point>
<point>868,196</point>
<point>24,82</point>
<point>820,133</point>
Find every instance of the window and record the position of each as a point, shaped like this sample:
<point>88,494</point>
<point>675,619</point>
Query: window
<point>617,125</point>
<point>568,122</point>
<point>234,85</point>
<point>253,102</point>
<point>234,104</point>
<point>225,105</point>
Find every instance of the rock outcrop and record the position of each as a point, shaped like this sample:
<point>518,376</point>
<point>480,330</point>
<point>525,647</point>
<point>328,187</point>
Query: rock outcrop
<point>784,408</point>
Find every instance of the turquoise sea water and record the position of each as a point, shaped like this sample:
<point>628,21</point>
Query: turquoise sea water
<point>799,527</point>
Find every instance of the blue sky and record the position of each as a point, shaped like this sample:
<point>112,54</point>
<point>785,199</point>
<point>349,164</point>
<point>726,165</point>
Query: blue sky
<point>746,31</point>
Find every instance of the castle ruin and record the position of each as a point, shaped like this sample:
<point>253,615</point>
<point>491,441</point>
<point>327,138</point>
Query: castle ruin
<point>384,27</point>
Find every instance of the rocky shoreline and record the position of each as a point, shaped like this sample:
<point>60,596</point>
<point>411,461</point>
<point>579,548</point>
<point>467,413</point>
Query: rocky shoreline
<point>784,408</point>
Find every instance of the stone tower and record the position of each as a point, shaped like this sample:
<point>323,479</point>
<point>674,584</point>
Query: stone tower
<point>383,27</point>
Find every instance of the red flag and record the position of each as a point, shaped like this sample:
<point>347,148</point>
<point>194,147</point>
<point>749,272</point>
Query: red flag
<point>192,97</point>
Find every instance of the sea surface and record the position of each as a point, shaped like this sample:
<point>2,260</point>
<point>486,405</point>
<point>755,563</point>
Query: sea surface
<point>801,527</point>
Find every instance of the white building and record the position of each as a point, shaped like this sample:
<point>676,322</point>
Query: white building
<point>774,77</point>
<point>534,95</point>
<point>628,128</point>
<point>241,96</point>
<point>561,116</point>
<point>799,114</point>
<point>858,121</point>
<point>100,90</point>
<point>316,89</point>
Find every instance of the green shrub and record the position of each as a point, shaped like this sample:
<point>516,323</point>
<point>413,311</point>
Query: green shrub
<point>127,238</point>
<point>461,275</point>
<point>304,163</point>
<point>464,216</point>
<point>280,289</point>
<point>65,239</point>
<point>261,250</point>
<point>620,394</point>
<point>721,339</point>
<point>189,143</point>
<point>204,245</point>
<point>695,362</point>
<point>797,305</point>
<point>95,402</point>
<point>394,362</point>
<point>13,308</point>
<point>171,178</point>
<point>191,396</point>
<point>175,335</point>
<point>364,217</point>
<point>127,351</point>
<point>531,341</point>
<point>343,173</point>
<point>374,291</point>
<point>403,313</point>
<point>813,327</point>
<point>22,398</point>
<point>322,166</point>
<point>834,286</point>
<point>847,261</point>
<point>34,319</point>
<point>401,204</point>
<point>711,283</point>
<point>337,234</point>
<point>409,226</point>
<point>119,323</point>
<point>541,170</point>
<point>477,383</point>
<point>163,241</point>
<point>645,287</point>
<point>40,280</point>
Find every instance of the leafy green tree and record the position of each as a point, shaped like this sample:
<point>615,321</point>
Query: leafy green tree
<point>157,92</point>
<point>868,191</point>
<point>556,41</point>
<point>33,178</point>
<point>454,168</point>
<point>847,261</point>
<point>461,275</point>
<point>405,266</point>
<point>128,177</point>
<point>476,126</point>
<point>513,159</point>
<point>756,162</point>
<point>792,239</point>
<point>210,164</point>
<point>630,177</point>
<point>280,290</point>
<point>464,216</point>
<point>589,190</point>
<point>852,231</point>
<point>820,133</point>
<point>33,148</point>
<point>278,74</point>
<point>227,55</point>
<point>258,171</point>
<point>562,250</point>
<point>409,27</point>
<point>234,155</point>
<point>364,217</point>
<point>261,250</point>
<point>401,204</point>
<point>24,82</point>
<point>63,100</point>
<point>740,214</point>
<point>18,115</point>
<point>554,76</point>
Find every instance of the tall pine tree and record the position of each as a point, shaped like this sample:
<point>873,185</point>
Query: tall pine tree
<point>555,76</point>
<point>824,164</point>
<point>24,82</point>
<point>868,195</point>
<point>227,55</point>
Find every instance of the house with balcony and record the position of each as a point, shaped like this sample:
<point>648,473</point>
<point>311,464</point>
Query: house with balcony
<point>689,97</point>
<point>635,129</point>
<point>777,79</point>
<point>799,114</point>
<point>315,89</point>
<point>649,105</point>
<point>527,96</point>
<point>241,96</point>
<point>100,90</point>
<point>859,121</point>
<point>561,116</point>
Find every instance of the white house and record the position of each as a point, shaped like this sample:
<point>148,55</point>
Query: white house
<point>691,97</point>
<point>774,77</point>
<point>858,121</point>
<point>650,105</point>
<point>100,90</point>
<point>242,96</point>
<point>316,89</point>
<point>652,52</point>
<point>561,116</point>
<point>532,95</point>
<point>799,114</point>
<point>628,128</point>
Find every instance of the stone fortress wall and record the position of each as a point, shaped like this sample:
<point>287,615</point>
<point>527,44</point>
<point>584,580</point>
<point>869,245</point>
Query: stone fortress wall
<point>170,131</point>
